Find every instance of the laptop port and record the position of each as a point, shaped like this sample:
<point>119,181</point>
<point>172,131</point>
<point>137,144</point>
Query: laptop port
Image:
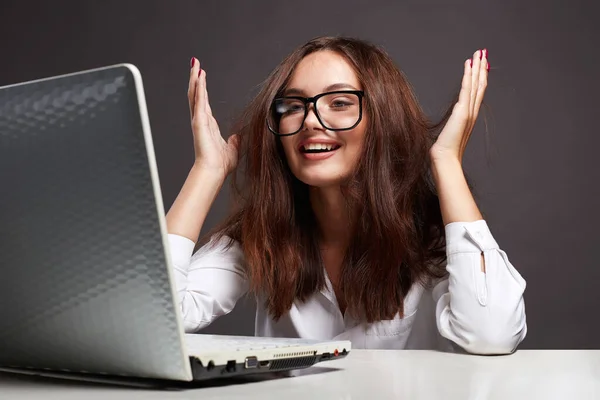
<point>325,356</point>
<point>251,362</point>
<point>264,364</point>
<point>230,367</point>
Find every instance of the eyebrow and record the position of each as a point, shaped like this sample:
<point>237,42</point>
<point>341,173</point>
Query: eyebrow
<point>330,88</point>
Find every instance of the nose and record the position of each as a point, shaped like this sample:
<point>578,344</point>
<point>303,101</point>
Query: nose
<point>311,121</point>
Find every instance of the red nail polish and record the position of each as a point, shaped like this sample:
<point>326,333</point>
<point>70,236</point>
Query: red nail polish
<point>199,72</point>
<point>470,59</point>
<point>480,54</point>
<point>486,53</point>
<point>192,62</point>
<point>488,67</point>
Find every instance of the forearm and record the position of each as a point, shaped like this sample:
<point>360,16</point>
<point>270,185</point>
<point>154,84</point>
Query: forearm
<point>482,313</point>
<point>456,200</point>
<point>189,210</point>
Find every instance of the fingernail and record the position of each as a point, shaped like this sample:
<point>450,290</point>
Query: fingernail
<point>488,67</point>
<point>199,72</point>
<point>480,54</point>
<point>486,53</point>
<point>470,59</point>
<point>192,62</point>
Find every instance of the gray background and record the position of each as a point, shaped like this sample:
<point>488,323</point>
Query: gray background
<point>536,173</point>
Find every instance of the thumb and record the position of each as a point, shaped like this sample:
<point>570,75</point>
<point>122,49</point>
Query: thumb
<point>234,140</point>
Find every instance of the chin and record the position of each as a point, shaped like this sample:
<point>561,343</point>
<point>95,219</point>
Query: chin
<point>320,179</point>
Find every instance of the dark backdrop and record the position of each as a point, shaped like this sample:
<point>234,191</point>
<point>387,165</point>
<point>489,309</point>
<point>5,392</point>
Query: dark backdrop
<point>536,175</point>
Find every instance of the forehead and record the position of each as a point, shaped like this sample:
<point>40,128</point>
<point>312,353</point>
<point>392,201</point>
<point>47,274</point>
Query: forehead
<point>323,68</point>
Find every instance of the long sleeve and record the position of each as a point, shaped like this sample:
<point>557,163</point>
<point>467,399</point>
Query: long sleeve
<point>482,312</point>
<point>209,283</point>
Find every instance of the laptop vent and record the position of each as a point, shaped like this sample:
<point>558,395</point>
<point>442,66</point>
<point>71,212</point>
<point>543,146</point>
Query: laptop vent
<point>290,363</point>
<point>297,354</point>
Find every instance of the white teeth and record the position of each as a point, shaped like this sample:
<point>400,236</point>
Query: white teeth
<point>318,146</point>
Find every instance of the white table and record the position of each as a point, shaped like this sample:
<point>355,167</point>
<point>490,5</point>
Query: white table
<point>368,374</point>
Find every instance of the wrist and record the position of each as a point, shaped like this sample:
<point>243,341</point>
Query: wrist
<point>447,165</point>
<point>211,180</point>
<point>209,175</point>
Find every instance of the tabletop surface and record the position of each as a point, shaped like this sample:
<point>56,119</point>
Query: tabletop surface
<point>366,374</point>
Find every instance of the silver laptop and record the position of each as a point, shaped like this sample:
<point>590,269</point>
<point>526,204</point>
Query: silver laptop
<point>85,282</point>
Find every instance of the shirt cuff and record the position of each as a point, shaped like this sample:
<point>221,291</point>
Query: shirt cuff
<point>181,249</point>
<point>469,237</point>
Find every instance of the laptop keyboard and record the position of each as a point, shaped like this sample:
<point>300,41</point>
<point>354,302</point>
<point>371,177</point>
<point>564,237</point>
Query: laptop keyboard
<point>199,342</point>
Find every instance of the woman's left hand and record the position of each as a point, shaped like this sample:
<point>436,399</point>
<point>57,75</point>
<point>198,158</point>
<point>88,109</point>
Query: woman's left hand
<point>452,141</point>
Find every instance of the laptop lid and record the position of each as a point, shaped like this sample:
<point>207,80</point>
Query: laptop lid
<point>84,283</point>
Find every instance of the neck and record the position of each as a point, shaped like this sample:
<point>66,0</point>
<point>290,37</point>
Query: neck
<point>333,217</point>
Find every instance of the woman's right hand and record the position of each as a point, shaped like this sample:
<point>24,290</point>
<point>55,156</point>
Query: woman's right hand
<point>213,153</point>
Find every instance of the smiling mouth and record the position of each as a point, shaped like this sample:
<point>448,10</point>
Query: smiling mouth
<point>319,148</point>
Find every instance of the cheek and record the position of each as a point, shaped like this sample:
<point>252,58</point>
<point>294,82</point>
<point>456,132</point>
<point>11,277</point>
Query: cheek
<point>288,147</point>
<point>355,142</point>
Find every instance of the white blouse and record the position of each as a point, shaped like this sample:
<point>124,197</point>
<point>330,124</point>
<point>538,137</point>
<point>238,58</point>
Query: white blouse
<point>473,311</point>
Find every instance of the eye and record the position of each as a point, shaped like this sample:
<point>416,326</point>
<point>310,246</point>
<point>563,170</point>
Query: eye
<point>294,108</point>
<point>341,103</point>
<point>287,107</point>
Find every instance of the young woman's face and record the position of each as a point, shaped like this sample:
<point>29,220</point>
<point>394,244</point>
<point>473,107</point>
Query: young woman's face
<point>319,156</point>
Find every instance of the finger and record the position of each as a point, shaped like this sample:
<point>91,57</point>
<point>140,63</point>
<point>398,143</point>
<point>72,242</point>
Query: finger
<point>194,66</point>
<point>202,89</point>
<point>464,97</point>
<point>484,63</point>
<point>211,120</point>
<point>460,112</point>
<point>200,102</point>
<point>234,143</point>
<point>208,109</point>
<point>212,123</point>
<point>481,85</point>
<point>234,140</point>
<point>214,127</point>
<point>475,69</point>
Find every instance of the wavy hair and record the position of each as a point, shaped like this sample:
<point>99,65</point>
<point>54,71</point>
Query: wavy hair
<point>398,235</point>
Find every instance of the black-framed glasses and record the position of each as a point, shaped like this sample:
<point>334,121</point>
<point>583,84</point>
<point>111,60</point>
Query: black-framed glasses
<point>340,110</point>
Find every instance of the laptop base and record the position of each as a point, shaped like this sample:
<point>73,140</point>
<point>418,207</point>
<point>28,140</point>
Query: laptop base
<point>252,366</point>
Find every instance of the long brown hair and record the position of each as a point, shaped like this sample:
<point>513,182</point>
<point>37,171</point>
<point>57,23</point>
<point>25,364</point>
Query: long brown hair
<point>398,238</point>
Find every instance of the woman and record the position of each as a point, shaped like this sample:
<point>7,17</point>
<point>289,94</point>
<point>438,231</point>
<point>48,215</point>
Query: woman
<point>356,220</point>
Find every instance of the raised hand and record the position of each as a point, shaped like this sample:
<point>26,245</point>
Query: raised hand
<point>452,141</point>
<point>212,152</point>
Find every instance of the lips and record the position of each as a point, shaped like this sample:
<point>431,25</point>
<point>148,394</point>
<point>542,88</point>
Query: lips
<point>318,146</point>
